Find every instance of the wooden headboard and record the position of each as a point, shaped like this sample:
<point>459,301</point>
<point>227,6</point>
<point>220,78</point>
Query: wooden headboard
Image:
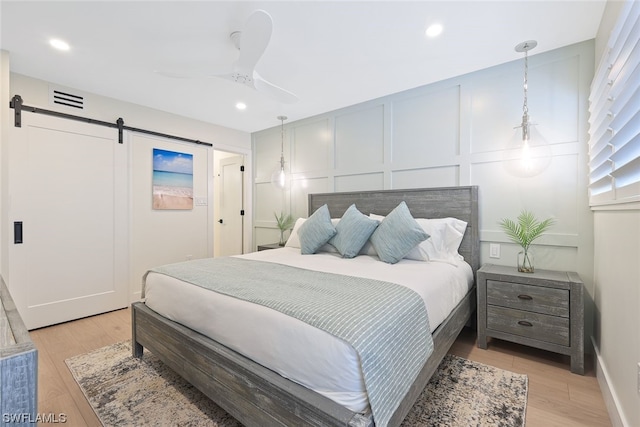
<point>457,202</point>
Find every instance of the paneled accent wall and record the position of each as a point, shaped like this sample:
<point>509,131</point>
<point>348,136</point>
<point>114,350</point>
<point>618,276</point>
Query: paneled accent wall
<point>450,133</point>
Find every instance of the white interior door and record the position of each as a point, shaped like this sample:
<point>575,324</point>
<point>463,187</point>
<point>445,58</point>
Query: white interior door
<point>230,220</point>
<point>68,187</point>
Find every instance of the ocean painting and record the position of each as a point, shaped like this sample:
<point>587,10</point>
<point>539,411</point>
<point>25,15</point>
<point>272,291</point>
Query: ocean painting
<point>172,180</point>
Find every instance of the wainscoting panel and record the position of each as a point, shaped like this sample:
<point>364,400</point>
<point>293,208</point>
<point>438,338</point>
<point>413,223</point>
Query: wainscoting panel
<point>550,194</point>
<point>447,176</point>
<point>301,188</point>
<point>311,145</point>
<point>359,138</point>
<point>425,127</point>
<point>553,100</point>
<point>360,182</point>
<point>266,235</point>
<point>268,200</point>
<point>266,147</point>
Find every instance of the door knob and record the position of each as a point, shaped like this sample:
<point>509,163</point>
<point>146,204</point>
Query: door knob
<point>220,221</point>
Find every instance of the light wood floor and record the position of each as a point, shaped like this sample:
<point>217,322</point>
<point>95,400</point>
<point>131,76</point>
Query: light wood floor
<point>556,396</point>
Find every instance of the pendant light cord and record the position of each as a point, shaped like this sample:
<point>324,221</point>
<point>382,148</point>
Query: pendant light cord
<point>282,119</point>
<point>525,47</point>
<point>525,106</point>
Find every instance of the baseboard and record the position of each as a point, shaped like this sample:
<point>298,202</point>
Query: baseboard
<point>610,398</point>
<point>135,296</point>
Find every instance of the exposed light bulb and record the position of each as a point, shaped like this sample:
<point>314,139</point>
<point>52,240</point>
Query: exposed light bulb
<point>525,158</point>
<point>279,177</point>
<point>434,30</point>
<point>59,44</point>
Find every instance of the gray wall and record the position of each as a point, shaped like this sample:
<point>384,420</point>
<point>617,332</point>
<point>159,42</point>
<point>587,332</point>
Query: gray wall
<point>454,132</point>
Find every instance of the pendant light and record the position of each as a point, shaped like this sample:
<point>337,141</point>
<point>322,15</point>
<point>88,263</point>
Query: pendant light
<point>279,177</point>
<point>533,153</point>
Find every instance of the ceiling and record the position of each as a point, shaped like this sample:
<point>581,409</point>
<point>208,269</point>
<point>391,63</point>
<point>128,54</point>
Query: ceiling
<point>331,54</point>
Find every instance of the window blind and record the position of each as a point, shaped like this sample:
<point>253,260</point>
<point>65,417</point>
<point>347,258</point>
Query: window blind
<point>614,121</point>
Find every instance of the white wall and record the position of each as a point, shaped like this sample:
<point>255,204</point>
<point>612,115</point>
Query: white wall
<point>165,236</point>
<point>617,288</point>
<point>617,300</point>
<point>5,116</point>
<point>155,236</point>
<point>450,133</point>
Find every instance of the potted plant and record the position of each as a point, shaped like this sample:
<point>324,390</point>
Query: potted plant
<point>285,222</point>
<point>523,232</point>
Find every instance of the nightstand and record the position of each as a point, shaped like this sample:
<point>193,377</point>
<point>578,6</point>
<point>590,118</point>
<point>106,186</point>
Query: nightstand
<point>269,246</point>
<point>543,310</point>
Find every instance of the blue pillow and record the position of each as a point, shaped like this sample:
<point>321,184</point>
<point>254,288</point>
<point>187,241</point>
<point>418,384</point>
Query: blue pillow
<point>352,232</point>
<point>316,231</point>
<point>397,234</point>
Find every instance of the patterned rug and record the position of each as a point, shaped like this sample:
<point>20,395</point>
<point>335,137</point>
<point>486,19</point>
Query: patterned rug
<point>125,391</point>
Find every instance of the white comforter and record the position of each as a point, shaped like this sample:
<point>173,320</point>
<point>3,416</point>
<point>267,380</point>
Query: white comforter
<point>295,350</point>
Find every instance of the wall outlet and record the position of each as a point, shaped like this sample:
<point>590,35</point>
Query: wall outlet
<point>189,257</point>
<point>494,250</point>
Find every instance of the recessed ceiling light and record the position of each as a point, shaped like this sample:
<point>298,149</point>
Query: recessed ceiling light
<point>59,44</point>
<point>241,106</point>
<point>434,30</point>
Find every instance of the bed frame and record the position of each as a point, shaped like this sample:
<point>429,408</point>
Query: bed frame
<point>257,396</point>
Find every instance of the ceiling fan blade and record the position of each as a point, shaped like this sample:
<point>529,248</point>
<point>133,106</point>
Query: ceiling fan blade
<point>254,39</point>
<point>252,42</point>
<point>273,91</point>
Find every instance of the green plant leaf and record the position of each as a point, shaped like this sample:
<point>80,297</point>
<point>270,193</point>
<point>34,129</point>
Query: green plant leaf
<point>285,222</point>
<point>526,229</point>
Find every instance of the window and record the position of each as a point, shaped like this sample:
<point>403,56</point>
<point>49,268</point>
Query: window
<point>614,107</point>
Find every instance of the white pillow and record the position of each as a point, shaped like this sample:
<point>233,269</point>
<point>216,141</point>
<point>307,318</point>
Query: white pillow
<point>294,240</point>
<point>445,237</point>
<point>368,249</point>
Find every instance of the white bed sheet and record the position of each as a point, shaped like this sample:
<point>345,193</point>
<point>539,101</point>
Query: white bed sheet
<point>292,348</point>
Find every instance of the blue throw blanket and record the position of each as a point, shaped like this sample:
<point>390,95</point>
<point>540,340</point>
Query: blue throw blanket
<point>385,323</point>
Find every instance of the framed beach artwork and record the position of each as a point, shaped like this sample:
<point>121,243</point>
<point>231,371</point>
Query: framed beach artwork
<point>172,180</point>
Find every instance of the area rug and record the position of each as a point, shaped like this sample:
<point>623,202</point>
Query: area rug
<point>124,391</point>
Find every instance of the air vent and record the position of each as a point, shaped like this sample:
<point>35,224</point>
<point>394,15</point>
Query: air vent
<point>66,98</point>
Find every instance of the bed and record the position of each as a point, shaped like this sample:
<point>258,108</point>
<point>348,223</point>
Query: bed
<point>256,395</point>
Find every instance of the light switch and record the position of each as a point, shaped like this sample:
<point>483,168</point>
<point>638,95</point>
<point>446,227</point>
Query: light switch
<point>494,250</point>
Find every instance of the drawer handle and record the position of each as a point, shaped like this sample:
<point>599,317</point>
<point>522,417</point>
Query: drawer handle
<point>525,297</point>
<point>525,323</point>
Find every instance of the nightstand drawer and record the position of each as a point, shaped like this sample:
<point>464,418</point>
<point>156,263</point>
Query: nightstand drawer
<point>542,327</point>
<point>544,309</point>
<point>536,299</point>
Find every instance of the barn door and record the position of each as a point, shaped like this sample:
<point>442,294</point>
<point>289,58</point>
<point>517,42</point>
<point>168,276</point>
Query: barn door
<point>68,213</point>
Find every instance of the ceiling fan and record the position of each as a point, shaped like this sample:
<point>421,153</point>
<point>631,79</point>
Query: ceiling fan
<point>251,41</point>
